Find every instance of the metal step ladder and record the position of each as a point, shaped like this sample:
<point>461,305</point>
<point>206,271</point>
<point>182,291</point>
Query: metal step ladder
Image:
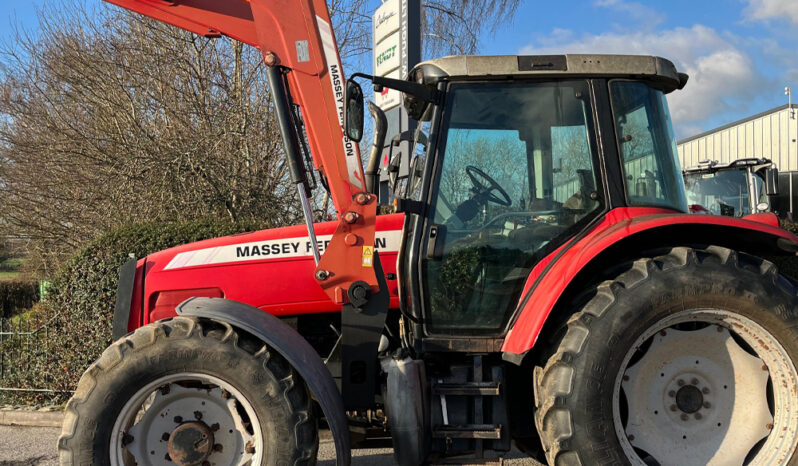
<point>478,428</point>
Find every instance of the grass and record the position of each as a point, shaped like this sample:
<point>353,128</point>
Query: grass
<point>9,269</point>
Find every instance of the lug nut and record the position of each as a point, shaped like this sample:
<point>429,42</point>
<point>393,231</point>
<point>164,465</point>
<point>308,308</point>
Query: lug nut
<point>680,382</point>
<point>694,381</point>
<point>167,457</point>
<point>705,390</point>
<point>685,417</point>
<point>631,438</point>
<point>673,408</point>
<point>321,275</point>
<point>218,447</point>
<point>698,415</point>
<point>671,393</point>
<point>214,427</point>
<point>707,404</point>
<point>178,419</point>
<point>197,415</point>
<point>165,437</point>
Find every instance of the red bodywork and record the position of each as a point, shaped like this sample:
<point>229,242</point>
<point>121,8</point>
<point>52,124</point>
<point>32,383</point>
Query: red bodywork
<point>280,282</point>
<point>284,285</point>
<point>616,226</point>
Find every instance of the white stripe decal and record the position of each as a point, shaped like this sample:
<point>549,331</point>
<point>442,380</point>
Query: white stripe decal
<point>384,241</point>
<point>337,81</point>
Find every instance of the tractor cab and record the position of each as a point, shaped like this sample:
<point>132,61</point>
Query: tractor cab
<point>735,189</point>
<point>524,154</point>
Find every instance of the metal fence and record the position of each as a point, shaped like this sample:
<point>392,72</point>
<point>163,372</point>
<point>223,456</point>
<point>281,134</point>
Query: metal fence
<point>23,342</point>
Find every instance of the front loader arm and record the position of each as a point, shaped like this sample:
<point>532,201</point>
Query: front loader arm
<point>297,37</point>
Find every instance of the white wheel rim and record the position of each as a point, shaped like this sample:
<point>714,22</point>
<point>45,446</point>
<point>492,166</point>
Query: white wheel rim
<point>142,426</point>
<point>696,396</point>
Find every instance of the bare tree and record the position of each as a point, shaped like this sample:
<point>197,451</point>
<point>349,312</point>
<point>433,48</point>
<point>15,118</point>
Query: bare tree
<point>108,118</point>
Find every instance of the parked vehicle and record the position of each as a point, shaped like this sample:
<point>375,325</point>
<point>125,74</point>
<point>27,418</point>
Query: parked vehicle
<point>524,288</point>
<point>735,189</point>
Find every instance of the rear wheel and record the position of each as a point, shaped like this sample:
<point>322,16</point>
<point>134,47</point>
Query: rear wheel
<point>688,357</point>
<point>187,392</point>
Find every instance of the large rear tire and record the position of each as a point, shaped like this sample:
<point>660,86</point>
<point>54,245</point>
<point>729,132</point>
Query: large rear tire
<point>686,357</point>
<point>184,391</point>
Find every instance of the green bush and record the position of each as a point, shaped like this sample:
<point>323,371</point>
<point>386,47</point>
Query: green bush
<point>78,312</point>
<point>17,296</point>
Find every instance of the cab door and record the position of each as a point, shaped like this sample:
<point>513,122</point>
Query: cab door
<point>515,175</point>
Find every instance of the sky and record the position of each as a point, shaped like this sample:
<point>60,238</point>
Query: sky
<point>740,54</point>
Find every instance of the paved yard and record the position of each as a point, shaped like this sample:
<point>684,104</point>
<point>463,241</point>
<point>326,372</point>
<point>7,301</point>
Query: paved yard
<point>36,446</point>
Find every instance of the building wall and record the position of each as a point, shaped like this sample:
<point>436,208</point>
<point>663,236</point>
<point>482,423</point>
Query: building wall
<point>772,134</point>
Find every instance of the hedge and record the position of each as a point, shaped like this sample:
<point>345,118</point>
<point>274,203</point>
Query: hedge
<point>78,311</point>
<point>17,296</point>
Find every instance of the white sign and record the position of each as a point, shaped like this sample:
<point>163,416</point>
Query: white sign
<point>389,98</point>
<point>387,55</point>
<point>386,20</point>
<point>284,248</point>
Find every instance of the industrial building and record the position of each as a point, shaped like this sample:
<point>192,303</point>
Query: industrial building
<point>772,134</point>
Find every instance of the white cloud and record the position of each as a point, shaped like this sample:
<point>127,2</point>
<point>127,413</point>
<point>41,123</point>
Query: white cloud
<point>722,77</point>
<point>637,11</point>
<point>773,9</point>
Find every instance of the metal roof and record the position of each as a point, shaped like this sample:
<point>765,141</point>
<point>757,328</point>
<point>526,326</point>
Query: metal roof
<point>636,66</point>
<point>737,123</point>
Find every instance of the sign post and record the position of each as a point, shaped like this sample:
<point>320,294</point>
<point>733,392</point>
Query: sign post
<point>396,27</point>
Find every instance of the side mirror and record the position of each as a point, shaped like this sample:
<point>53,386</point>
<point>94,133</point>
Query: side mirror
<point>393,171</point>
<point>414,177</point>
<point>353,111</point>
<point>772,181</point>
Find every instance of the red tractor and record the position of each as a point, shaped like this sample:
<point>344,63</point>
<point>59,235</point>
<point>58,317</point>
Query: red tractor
<point>523,289</point>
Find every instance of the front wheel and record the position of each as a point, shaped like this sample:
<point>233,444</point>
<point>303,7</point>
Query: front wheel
<point>189,392</point>
<point>686,358</point>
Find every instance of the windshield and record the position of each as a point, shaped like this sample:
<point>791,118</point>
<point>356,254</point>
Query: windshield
<point>516,174</point>
<point>647,145</point>
<point>721,193</point>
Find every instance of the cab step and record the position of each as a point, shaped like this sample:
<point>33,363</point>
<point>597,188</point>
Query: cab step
<point>468,431</point>
<point>467,389</point>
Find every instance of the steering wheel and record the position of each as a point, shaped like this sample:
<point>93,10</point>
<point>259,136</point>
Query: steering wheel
<point>475,174</point>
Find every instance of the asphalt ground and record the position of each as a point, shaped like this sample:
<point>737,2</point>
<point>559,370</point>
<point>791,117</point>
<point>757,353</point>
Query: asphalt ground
<point>36,446</point>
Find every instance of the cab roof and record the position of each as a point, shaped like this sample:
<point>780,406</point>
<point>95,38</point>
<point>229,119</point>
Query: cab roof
<point>619,66</point>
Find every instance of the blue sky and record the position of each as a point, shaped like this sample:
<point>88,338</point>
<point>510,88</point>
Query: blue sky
<point>739,53</point>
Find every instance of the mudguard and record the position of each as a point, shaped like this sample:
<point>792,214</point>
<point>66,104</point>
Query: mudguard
<point>292,347</point>
<point>549,279</point>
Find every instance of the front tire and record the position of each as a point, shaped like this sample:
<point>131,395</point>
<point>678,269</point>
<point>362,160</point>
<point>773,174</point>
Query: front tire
<point>687,357</point>
<point>185,391</point>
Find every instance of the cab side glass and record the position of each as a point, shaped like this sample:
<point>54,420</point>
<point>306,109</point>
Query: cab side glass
<point>647,145</point>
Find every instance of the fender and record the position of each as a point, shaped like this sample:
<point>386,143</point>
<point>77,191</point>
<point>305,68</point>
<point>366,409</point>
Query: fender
<point>550,278</point>
<point>292,347</point>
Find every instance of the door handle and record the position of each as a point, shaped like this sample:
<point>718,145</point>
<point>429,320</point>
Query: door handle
<point>435,243</point>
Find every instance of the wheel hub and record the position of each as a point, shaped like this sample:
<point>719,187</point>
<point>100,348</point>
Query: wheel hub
<point>689,399</point>
<point>190,443</point>
<point>695,397</point>
<point>187,419</point>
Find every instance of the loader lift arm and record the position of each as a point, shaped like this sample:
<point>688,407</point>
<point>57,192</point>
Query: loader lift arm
<point>299,47</point>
